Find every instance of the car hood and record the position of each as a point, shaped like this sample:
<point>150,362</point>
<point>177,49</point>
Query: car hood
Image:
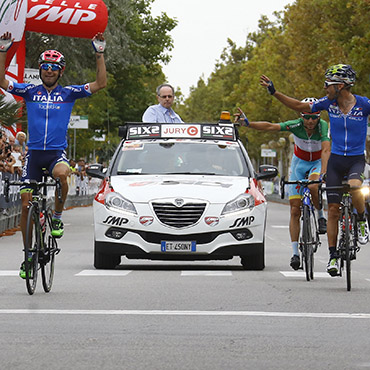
<point>143,188</point>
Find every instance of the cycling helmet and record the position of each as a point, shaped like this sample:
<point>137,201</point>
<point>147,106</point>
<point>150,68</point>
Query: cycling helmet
<point>52,56</point>
<point>341,73</point>
<point>311,101</point>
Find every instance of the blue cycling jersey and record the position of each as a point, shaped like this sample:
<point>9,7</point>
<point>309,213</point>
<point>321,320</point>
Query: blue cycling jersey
<point>48,113</point>
<point>347,131</point>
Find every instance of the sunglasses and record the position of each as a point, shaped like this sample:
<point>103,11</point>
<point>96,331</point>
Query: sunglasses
<point>166,96</point>
<point>329,83</point>
<point>312,116</point>
<point>53,66</point>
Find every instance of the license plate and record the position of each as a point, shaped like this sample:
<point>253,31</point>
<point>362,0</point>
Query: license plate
<point>173,246</point>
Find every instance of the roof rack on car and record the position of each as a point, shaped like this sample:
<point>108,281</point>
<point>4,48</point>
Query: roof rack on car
<point>213,131</point>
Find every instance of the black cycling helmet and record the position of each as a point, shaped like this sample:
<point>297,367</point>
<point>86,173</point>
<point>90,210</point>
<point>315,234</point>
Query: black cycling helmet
<point>341,73</point>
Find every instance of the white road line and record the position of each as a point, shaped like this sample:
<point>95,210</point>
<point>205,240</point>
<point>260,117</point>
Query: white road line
<point>315,315</point>
<point>103,273</point>
<point>9,272</point>
<point>321,275</point>
<point>206,273</point>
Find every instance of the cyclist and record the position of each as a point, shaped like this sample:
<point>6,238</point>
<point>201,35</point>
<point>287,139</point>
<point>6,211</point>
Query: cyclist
<point>311,153</point>
<point>49,107</point>
<point>348,114</point>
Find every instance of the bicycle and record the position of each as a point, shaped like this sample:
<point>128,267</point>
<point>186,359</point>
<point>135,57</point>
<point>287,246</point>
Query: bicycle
<point>40,247</point>
<point>348,242</point>
<point>309,240</point>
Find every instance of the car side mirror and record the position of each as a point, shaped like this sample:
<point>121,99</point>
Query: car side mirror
<point>266,172</point>
<point>96,170</point>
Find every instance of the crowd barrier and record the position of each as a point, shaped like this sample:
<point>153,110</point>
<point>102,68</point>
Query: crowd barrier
<point>81,193</point>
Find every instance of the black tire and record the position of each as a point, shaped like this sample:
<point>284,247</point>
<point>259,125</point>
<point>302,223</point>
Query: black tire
<point>31,248</point>
<point>105,261</point>
<point>255,261</point>
<point>49,249</point>
<point>307,241</point>
<point>347,241</point>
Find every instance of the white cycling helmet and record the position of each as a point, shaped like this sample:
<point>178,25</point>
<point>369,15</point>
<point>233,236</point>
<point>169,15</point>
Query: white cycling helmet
<point>311,101</point>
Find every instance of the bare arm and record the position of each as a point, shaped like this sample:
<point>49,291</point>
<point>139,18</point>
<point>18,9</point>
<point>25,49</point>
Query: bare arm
<point>258,125</point>
<point>325,154</point>
<point>101,72</point>
<point>286,100</point>
<point>264,126</point>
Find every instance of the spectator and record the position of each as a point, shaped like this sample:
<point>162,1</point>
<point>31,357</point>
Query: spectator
<point>20,139</point>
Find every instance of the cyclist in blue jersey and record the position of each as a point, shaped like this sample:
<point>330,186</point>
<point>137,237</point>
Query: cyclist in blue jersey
<point>348,114</point>
<point>49,108</point>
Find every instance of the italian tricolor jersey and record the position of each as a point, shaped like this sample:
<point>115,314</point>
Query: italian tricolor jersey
<point>306,147</point>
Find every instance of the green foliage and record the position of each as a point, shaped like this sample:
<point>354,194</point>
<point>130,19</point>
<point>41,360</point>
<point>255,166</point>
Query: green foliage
<point>10,113</point>
<point>294,51</point>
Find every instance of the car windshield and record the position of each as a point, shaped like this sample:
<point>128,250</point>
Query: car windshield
<point>181,157</point>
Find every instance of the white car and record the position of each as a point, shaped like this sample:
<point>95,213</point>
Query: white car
<point>180,192</point>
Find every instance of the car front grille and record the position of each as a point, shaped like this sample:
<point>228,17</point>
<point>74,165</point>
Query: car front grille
<point>179,217</point>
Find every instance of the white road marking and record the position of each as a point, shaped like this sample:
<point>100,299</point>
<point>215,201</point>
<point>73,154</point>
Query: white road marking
<point>103,273</point>
<point>206,273</point>
<point>9,273</point>
<point>315,315</point>
<point>303,274</point>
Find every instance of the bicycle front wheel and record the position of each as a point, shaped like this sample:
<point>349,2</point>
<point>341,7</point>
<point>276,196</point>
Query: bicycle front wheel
<point>47,253</point>
<point>31,248</point>
<point>307,240</point>
<point>347,241</point>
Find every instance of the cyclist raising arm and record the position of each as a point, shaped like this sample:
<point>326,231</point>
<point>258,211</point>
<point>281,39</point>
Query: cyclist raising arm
<point>49,108</point>
<point>311,153</point>
<point>348,114</point>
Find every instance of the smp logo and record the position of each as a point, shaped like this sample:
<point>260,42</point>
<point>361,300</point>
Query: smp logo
<point>243,221</point>
<point>143,131</point>
<point>116,221</point>
<point>62,14</point>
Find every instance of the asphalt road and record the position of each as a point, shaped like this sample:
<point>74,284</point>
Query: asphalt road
<point>185,315</point>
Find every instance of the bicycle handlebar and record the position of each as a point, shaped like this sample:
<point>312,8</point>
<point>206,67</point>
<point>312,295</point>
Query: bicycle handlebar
<point>304,182</point>
<point>38,184</point>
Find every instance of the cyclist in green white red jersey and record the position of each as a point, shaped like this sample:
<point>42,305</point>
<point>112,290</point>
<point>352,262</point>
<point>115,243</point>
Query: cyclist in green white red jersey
<point>49,107</point>
<point>311,153</point>
<point>348,114</point>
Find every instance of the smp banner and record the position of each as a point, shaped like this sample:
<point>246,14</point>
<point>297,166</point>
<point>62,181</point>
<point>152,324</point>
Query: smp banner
<point>73,18</point>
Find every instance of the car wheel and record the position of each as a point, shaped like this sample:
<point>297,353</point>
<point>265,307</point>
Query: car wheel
<point>255,261</point>
<point>105,261</point>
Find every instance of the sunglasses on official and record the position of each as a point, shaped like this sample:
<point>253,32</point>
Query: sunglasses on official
<point>166,96</point>
<point>53,66</point>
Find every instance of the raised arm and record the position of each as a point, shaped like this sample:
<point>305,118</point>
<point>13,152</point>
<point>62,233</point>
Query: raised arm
<point>6,42</point>
<point>286,100</point>
<point>101,72</point>
<point>257,125</point>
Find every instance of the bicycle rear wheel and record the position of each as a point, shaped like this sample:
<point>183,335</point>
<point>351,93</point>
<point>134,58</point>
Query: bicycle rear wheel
<point>307,240</point>
<point>347,240</point>
<point>48,255</point>
<point>31,248</point>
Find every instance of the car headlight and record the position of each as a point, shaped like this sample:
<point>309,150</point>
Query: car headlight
<point>117,202</point>
<point>241,203</point>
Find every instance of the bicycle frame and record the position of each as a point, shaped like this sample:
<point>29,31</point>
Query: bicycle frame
<point>309,240</point>
<point>40,247</point>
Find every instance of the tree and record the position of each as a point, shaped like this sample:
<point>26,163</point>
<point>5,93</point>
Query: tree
<point>10,113</point>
